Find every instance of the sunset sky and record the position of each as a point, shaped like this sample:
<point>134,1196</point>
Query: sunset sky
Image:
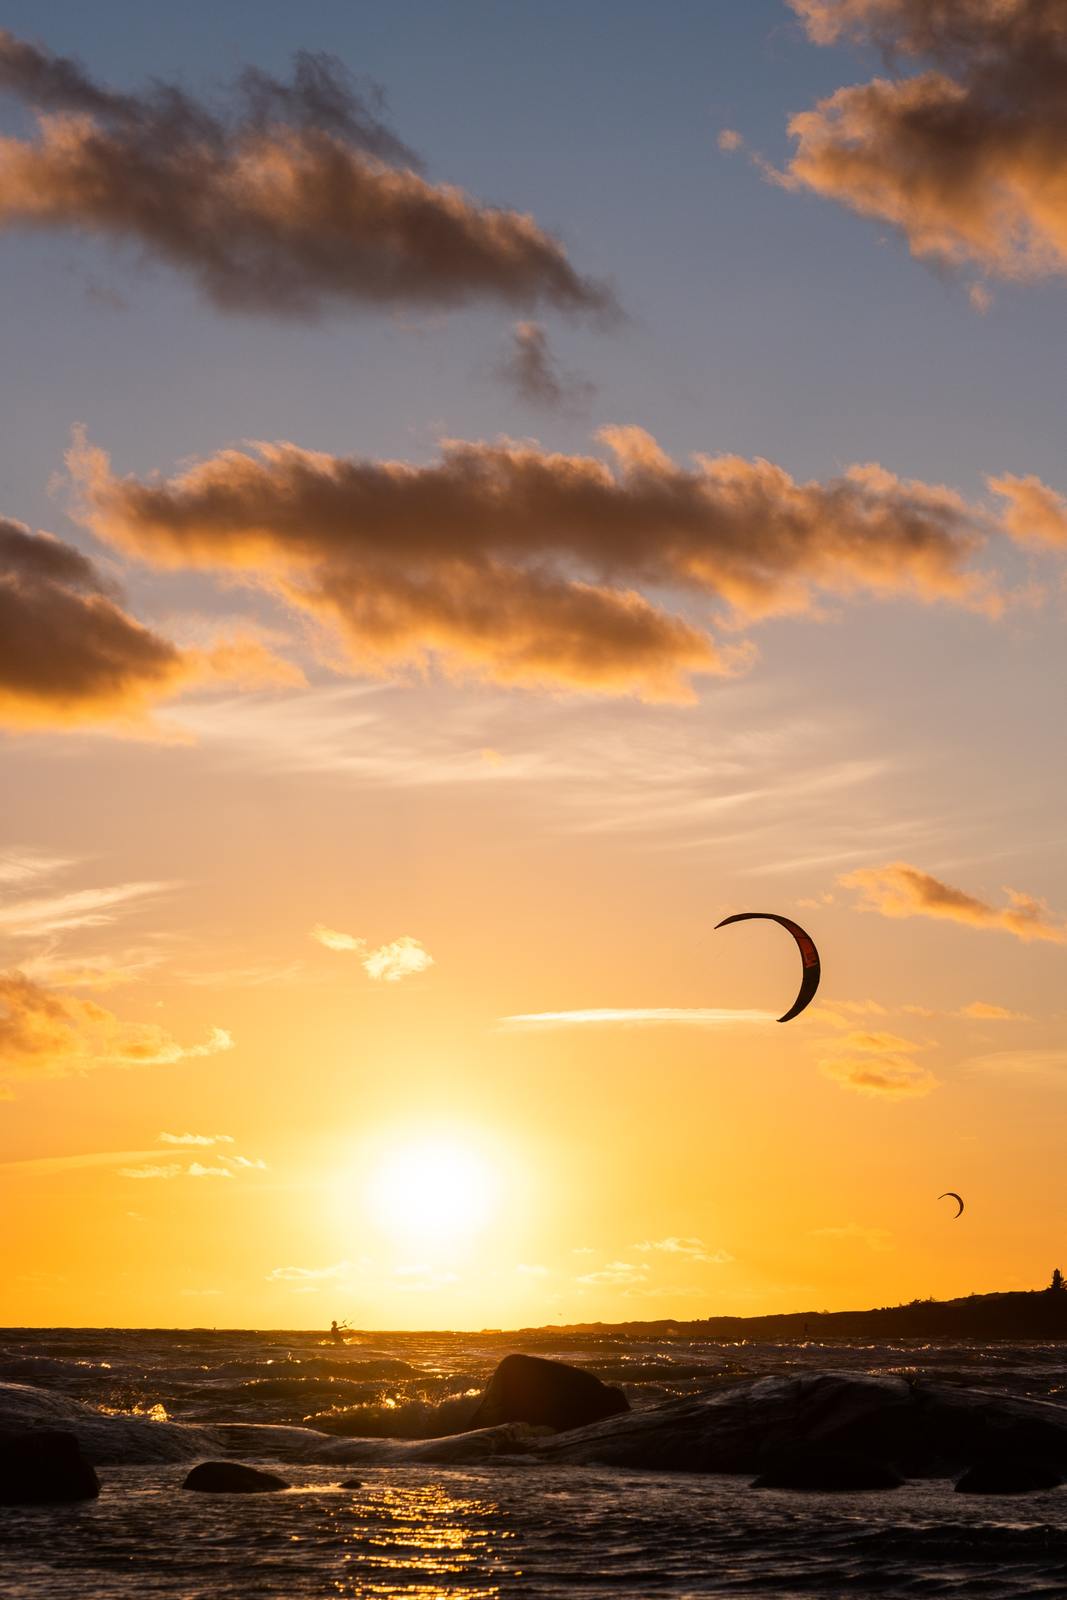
<point>487,491</point>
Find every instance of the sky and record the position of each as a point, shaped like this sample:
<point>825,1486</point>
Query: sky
<point>488,491</point>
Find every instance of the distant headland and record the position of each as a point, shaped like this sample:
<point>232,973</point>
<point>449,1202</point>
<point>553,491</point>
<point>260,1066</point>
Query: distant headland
<point>1015,1314</point>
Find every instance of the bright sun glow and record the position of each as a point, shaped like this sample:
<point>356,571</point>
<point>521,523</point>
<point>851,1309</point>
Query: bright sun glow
<point>433,1190</point>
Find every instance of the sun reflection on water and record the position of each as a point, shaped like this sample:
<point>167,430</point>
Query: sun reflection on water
<point>432,1544</point>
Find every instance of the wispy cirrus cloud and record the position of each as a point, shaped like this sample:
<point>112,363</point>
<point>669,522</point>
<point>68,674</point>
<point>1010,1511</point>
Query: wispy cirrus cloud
<point>195,1138</point>
<point>617,1275</point>
<point>877,1239</point>
<point>294,200</point>
<point>226,1166</point>
<point>631,1016</point>
<point>23,866</point>
<point>901,890</point>
<point>331,939</point>
<point>43,915</point>
<point>301,1275</point>
<point>693,1249</point>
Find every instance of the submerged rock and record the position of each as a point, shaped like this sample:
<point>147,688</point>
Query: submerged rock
<point>232,1477</point>
<point>105,1439</point>
<point>546,1393</point>
<point>1006,1474</point>
<point>834,1471</point>
<point>44,1467</point>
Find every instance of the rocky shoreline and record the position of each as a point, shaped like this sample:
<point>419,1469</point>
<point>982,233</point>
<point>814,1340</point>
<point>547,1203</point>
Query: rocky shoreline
<point>821,1430</point>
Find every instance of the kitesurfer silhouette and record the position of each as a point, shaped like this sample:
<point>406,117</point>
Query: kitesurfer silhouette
<point>336,1333</point>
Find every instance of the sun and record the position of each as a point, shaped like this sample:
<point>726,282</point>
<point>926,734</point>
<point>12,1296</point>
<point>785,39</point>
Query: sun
<point>433,1190</point>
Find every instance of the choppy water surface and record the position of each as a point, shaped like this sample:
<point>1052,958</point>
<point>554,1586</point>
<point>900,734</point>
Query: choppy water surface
<point>517,1529</point>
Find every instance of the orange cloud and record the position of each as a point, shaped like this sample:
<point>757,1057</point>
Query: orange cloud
<point>523,567</point>
<point>69,653</point>
<point>886,1077</point>
<point>1034,513</point>
<point>298,200</point>
<point>984,1011</point>
<point>967,161</point>
<point>900,890</point>
<point>50,1035</point>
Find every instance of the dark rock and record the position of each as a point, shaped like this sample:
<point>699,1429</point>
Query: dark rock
<point>547,1393</point>
<point>232,1477</point>
<point>1007,1474</point>
<point>920,1429</point>
<point>835,1471</point>
<point>44,1467</point>
<point>352,1483</point>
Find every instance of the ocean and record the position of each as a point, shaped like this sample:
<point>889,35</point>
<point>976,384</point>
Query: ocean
<point>499,1528</point>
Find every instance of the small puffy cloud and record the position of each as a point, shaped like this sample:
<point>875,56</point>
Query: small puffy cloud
<point>873,1238</point>
<point>965,158</point>
<point>46,1034</point>
<point>295,200</point>
<point>879,1044</point>
<point>694,1249</point>
<point>884,1077</point>
<point>389,963</point>
<point>401,959</point>
<point>70,655</point>
<point>729,139</point>
<point>1033,514</point>
<point>173,1169</point>
<point>900,890</point>
<point>532,370</point>
<point>511,564</point>
<point>195,1138</point>
<point>984,1011</point>
<point>196,1170</point>
<point>334,940</point>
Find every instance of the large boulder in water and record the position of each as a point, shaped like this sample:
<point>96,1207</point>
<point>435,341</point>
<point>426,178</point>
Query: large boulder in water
<point>232,1477</point>
<point>920,1429</point>
<point>548,1394</point>
<point>1008,1474</point>
<point>44,1467</point>
<point>830,1471</point>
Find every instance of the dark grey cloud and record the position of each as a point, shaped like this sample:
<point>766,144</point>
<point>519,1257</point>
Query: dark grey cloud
<point>295,200</point>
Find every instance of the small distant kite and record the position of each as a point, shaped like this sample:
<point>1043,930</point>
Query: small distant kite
<point>950,1194</point>
<point>808,954</point>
